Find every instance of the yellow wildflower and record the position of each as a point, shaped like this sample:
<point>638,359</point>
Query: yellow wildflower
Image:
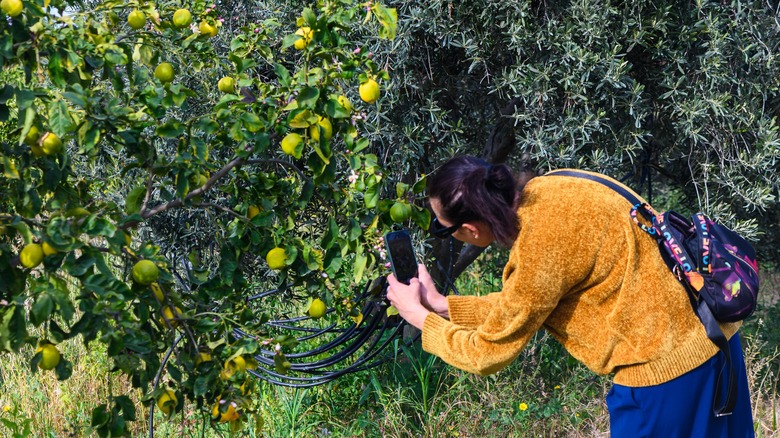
<point>6,408</point>
<point>523,406</point>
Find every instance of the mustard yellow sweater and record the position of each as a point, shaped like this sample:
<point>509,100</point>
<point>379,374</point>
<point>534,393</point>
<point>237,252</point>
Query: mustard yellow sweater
<point>585,272</point>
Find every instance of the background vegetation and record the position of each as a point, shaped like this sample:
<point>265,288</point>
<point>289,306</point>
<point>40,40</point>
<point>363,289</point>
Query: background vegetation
<point>678,99</point>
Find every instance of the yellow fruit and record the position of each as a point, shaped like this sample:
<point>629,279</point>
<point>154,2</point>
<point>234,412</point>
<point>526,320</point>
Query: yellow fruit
<point>305,34</point>
<point>51,144</point>
<point>202,357</point>
<point>207,29</point>
<point>227,85</point>
<point>369,91</point>
<point>399,212</point>
<point>290,143</point>
<point>157,291</point>
<point>136,19</point>
<point>48,249</point>
<point>230,414</point>
<point>325,125</point>
<point>32,136</point>
<point>276,258</point>
<point>145,272</point>
<point>252,211</point>
<point>232,366</point>
<point>164,72</point>
<point>344,101</point>
<point>31,255</point>
<point>171,316</point>
<point>50,356</point>
<point>317,308</point>
<point>12,7</point>
<point>167,402</point>
<point>182,18</point>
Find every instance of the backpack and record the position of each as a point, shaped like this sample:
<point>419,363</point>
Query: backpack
<point>717,267</point>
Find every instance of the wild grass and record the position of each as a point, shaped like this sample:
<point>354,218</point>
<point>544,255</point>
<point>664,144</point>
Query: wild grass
<point>544,393</point>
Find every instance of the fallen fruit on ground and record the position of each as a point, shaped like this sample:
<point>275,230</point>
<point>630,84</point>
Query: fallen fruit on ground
<point>31,255</point>
<point>50,356</point>
<point>145,272</point>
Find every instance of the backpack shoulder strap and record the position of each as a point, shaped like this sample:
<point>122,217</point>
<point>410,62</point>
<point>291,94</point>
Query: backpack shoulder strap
<point>621,189</point>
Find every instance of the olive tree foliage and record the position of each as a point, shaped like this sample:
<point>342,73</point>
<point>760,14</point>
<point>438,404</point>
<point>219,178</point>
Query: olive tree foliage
<point>679,99</point>
<point>121,143</point>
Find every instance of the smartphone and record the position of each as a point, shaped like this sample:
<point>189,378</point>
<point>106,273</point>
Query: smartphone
<point>401,254</point>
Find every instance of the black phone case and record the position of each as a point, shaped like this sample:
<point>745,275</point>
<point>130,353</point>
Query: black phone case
<point>401,255</point>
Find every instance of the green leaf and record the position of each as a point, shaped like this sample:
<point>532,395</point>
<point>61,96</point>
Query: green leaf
<point>360,266</point>
<point>308,97</point>
<point>170,129</point>
<point>135,200</point>
<point>283,74</point>
<point>371,196</point>
<point>41,309</point>
<point>334,109</point>
<point>388,18</point>
<point>60,120</point>
<point>100,415</point>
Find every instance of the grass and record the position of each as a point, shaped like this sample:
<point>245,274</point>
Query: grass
<point>544,393</point>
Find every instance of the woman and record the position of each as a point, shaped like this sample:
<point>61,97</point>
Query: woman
<point>580,268</point>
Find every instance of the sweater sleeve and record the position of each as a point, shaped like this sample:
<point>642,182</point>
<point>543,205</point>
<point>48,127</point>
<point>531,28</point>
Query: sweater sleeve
<point>469,310</point>
<point>485,334</point>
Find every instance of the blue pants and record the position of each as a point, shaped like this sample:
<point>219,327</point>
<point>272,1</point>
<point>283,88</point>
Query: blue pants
<point>683,407</point>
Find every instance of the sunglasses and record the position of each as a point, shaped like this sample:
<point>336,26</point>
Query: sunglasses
<point>440,231</point>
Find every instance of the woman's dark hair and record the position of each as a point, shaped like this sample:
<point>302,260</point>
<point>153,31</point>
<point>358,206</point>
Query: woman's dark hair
<point>470,189</point>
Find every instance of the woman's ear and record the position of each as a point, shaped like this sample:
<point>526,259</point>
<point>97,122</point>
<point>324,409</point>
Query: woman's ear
<point>472,229</point>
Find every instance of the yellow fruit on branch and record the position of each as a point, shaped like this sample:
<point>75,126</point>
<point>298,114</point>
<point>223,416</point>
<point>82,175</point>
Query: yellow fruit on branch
<point>369,91</point>
<point>167,402</point>
<point>31,255</point>
<point>171,315</point>
<point>48,249</point>
<point>317,308</point>
<point>400,212</point>
<point>202,357</point>
<point>32,136</point>
<point>136,19</point>
<point>50,356</point>
<point>290,144</point>
<point>12,7</point>
<point>229,414</point>
<point>164,72</point>
<point>252,211</point>
<point>145,272</point>
<point>182,18</point>
<point>344,101</point>
<point>323,123</point>
<point>276,258</point>
<point>305,33</point>
<point>51,144</point>
<point>207,29</point>
<point>227,85</point>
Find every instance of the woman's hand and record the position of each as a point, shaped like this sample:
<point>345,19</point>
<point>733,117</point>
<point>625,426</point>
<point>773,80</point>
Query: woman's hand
<point>407,300</point>
<point>429,296</point>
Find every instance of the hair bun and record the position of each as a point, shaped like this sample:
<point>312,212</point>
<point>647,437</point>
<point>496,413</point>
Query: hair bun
<point>499,179</point>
